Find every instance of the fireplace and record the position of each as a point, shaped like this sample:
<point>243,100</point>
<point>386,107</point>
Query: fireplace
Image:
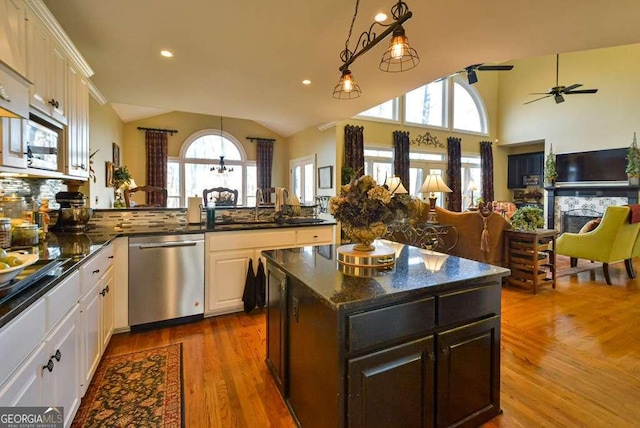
<point>573,220</point>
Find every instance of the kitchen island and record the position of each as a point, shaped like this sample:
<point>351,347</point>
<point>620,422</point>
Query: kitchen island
<point>417,345</point>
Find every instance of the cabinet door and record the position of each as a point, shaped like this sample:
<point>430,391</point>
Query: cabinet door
<point>513,171</point>
<point>469,373</point>
<point>25,387</point>
<point>62,383</point>
<point>277,325</point>
<point>13,142</point>
<point>121,282</point>
<point>106,323</point>
<point>77,144</point>
<point>90,352</point>
<point>13,35</point>
<point>399,378</point>
<point>227,272</point>
<point>58,82</point>
<point>38,39</point>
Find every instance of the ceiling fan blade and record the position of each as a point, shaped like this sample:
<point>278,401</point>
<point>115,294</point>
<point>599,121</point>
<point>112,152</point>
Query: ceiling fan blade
<point>541,93</point>
<point>582,91</point>
<point>495,67</point>
<point>572,87</point>
<point>538,99</point>
<point>559,98</point>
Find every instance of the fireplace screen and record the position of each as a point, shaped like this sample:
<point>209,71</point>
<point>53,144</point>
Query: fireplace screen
<point>572,221</point>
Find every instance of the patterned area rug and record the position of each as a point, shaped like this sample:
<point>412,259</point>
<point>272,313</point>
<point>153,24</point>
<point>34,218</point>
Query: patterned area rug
<point>134,390</point>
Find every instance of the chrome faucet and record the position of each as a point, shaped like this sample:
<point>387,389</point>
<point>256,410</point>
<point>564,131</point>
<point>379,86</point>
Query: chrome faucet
<point>259,200</point>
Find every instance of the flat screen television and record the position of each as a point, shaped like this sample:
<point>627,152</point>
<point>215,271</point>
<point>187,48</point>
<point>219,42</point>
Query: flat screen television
<point>596,166</point>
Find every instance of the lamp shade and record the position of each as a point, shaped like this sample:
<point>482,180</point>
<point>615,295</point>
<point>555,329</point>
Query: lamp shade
<point>472,185</point>
<point>395,185</point>
<point>433,261</point>
<point>434,184</point>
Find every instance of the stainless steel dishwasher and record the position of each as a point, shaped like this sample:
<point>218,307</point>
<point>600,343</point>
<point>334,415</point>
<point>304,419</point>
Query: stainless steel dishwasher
<point>166,278</point>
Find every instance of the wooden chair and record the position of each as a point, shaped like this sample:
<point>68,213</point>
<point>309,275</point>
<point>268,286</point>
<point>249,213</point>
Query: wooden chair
<point>224,196</point>
<point>147,189</point>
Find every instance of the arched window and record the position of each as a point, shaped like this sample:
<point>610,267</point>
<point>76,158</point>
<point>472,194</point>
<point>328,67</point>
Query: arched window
<point>199,167</point>
<point>469,113</point>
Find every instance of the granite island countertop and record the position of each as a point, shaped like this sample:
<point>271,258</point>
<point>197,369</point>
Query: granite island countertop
<point>342,287</point>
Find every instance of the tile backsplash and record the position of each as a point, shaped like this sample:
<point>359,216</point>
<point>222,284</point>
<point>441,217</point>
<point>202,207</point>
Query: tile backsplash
<point>33,189</point>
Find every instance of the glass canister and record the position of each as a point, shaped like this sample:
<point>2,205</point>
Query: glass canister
<point>5,232</point>
<point>13,206</point>
<point>24,235</point>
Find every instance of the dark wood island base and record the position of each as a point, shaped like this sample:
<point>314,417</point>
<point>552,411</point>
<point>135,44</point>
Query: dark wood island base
<point>408,347</point>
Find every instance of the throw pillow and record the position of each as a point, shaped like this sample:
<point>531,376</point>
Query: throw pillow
<point>591,224</point>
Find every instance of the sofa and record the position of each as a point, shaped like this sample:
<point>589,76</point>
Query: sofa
<point>464,237</point>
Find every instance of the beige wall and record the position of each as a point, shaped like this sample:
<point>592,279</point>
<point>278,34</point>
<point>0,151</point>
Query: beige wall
<point>189,123</point>
<point>321,145</point>
<point>105,128</point>
<point>606,119</point>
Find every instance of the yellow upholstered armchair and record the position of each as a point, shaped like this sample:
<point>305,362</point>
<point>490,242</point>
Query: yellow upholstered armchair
<point>612,241</point>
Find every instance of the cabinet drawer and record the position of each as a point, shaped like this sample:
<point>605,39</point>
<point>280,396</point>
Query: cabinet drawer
<point>22,334</point>
<point>222,241</point>
<point>94,269</point>
<point>469,304</point>
<point>62,298</point>
<point>314,235</point>
<point>390,324</point>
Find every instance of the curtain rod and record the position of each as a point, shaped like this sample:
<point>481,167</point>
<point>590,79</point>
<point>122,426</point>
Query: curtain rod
<point>252,139</point>
<point>170,131</point>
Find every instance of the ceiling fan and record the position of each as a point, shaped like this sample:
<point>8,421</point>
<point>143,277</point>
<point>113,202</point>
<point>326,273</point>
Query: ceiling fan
<point>472,76</point>
<point>557,91</point>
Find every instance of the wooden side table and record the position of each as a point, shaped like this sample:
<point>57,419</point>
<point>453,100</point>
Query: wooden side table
<point>530,256</point>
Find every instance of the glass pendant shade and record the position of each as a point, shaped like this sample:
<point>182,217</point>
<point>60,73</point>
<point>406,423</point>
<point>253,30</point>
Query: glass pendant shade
<point>399,56</point>
<point>347,88</point>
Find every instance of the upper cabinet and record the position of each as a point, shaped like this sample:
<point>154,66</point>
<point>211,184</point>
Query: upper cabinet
<point>46,69</point>
<point>13,35</point>
<point>525,170</point>
<point>77,153</point>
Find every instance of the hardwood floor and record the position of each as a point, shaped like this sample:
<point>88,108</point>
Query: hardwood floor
<point>570,358</point>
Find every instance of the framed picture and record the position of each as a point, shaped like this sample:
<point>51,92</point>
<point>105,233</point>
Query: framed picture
<point>116,154</point>
<point>518,195</point>
<point>109,172</point>
<point>325,176</point>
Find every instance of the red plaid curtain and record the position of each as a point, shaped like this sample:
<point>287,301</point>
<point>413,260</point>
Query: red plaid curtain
<point>157,150</point>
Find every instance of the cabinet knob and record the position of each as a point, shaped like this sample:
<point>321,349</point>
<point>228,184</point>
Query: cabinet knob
<point>48,366</point>
<point>4,95</point>
<point>110,257</point>
<point>103,292</point>
<point>432,356</point>
<point>96,271</point>
<point>445,351</point>
<point>107,288</point>
<point>58,355</point>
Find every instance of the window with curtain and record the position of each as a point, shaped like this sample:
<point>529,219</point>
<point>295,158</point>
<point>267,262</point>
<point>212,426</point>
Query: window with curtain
<point>189,174</point>
<point>303,179</point>
<point>378,163</point>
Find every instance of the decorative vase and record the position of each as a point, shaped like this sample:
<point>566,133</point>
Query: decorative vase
<point>364,236</point>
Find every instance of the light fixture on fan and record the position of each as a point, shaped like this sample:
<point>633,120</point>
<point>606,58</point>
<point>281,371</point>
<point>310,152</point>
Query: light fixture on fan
<point>399,56</point>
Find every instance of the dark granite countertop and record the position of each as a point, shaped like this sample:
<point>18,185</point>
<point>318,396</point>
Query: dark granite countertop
<point>79,247</point>
<point>317,267</point>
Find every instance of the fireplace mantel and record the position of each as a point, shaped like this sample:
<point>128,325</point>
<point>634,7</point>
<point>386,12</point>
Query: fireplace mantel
<point>590,191</point>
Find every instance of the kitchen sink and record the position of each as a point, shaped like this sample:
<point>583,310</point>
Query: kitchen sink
<point>301,220</point>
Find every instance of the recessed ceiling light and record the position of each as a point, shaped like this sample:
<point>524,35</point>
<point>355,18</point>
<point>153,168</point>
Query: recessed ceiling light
<point>166,54</point>
<point>381,17</point>
<point>306,82</point>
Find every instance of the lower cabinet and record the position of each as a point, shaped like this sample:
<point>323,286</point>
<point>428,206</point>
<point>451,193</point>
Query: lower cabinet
<point>399,378</point>
<point>227,271</point>
<point>277,326</point>
<point>24,388</point>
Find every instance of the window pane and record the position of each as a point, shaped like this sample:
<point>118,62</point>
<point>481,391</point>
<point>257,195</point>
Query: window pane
<point>470,197</point>
<point>199,177</point>
<point>385,110</point>
<point>173,184</point>
<point>252,185</point>
<point>212,147</point>
<point>381,171</point>
<point>425,105</point>
<point>375,153</point>
<point>425,156</point>
<point>297,180</point>
<point>465,111</point>
<point>416,178</point>
<point>308,184</point>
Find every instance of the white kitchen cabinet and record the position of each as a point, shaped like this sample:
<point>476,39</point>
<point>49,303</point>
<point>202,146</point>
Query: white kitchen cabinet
<point>13,133</point>
<point>13,37</point>
<point>24,388</point>
<point>106,313</point>
<point>228,255</point>
<point>90,341</point>
<point>60,379</point>
<point>77,147</point>
<point>46,69</point>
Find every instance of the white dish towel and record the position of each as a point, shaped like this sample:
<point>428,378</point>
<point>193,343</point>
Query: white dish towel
<point>280,198</point>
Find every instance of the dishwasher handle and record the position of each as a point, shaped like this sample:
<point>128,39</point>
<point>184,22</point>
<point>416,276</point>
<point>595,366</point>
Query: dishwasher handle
<point>168,244</point>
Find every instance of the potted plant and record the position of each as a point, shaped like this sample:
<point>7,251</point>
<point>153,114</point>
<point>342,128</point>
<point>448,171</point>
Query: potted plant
<point>550,172</point>
<point>528,218</point>
<point>633,163</point>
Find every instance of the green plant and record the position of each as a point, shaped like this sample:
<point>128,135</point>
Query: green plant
<point>528,218</point>
<point>550,172</point>
<point>121,175</point>
<point>633,159</point>
<point>348,174</point>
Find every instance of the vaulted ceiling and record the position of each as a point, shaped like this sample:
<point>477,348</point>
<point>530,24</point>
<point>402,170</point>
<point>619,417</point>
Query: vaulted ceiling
<point>246,59</point>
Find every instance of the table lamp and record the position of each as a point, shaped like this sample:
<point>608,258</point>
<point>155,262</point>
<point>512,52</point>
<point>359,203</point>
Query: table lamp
<point>472,186</point>
<point>433,184</point>
<point>394,184</point>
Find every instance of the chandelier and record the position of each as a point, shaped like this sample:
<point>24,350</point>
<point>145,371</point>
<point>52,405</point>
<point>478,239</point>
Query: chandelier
<point>399,56</point>
<point>221,168</point>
